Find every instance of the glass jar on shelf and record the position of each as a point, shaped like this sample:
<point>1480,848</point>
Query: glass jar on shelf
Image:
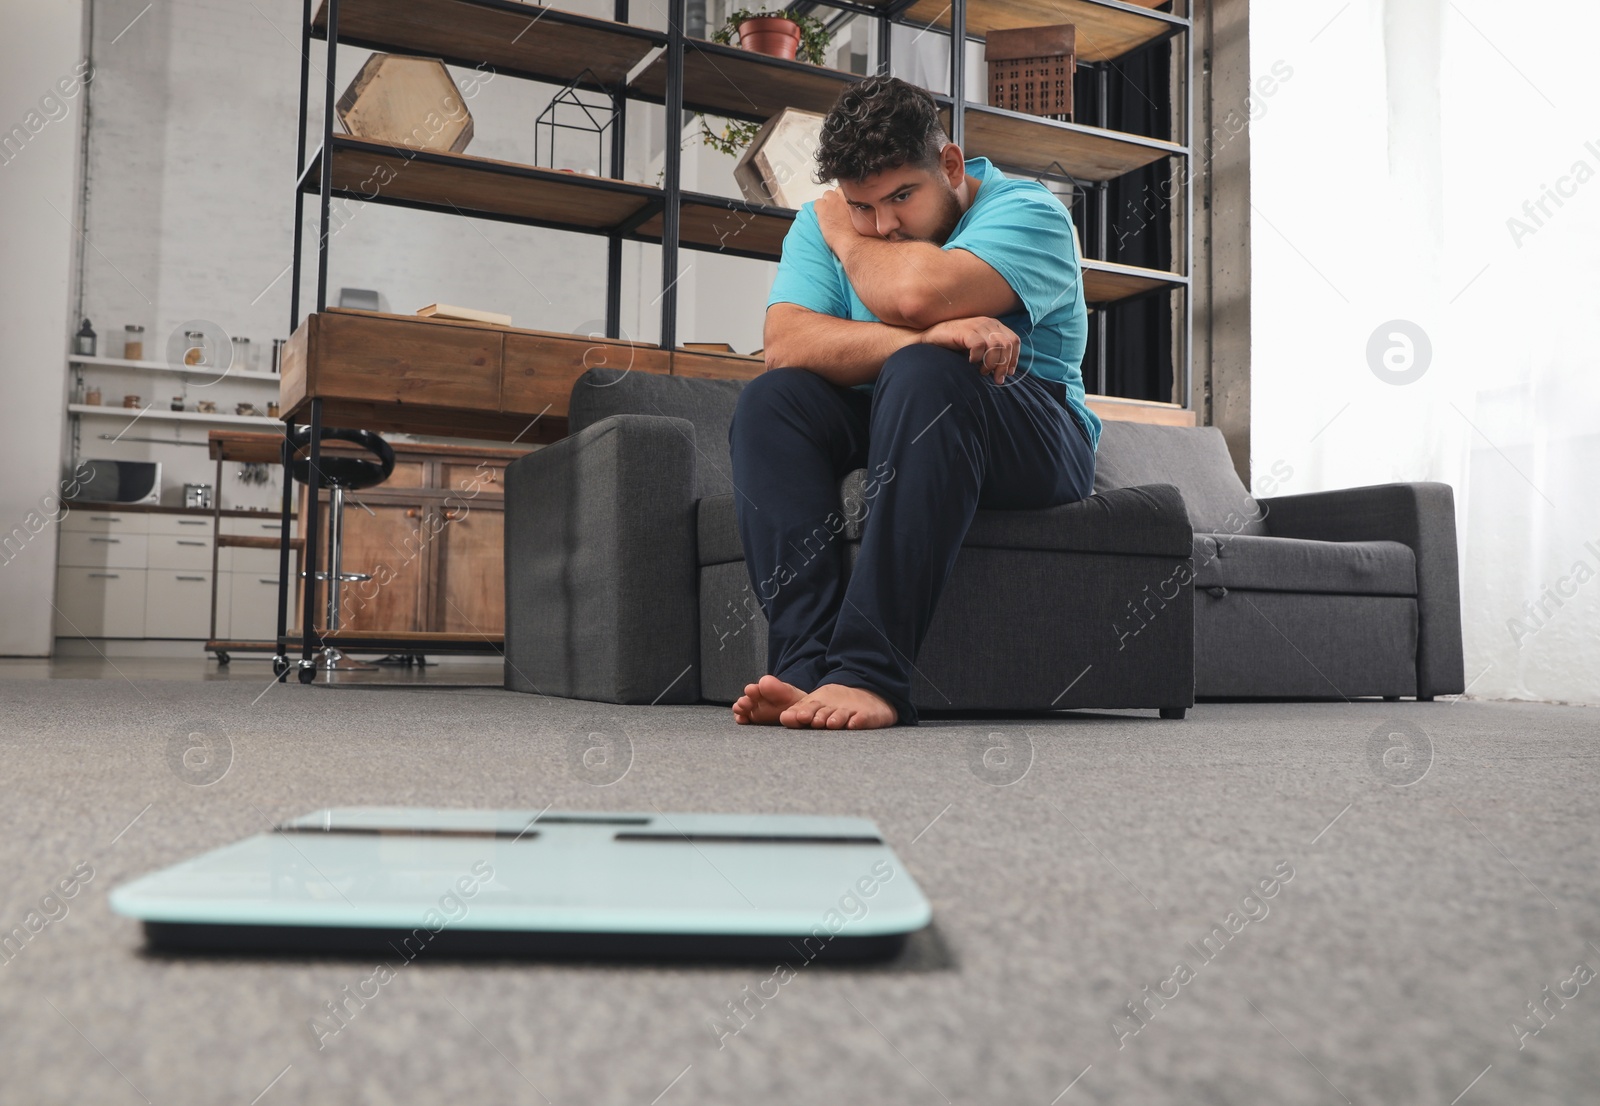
<point>241,356</point>
<point>196,350</point>
<point>133,342</point>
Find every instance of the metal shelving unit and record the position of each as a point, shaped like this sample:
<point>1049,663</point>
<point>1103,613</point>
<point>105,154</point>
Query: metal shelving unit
<point>555,46</point>
<point>533,42</point>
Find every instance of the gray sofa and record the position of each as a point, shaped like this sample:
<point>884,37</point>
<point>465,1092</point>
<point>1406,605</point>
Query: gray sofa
<point>625,580</point>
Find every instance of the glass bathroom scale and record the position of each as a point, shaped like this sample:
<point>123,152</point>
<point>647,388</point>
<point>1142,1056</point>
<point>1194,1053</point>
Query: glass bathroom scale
<point>401,880</point>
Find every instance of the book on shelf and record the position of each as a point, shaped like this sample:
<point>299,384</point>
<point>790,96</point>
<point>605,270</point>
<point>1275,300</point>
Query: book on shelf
<point>468,314</point>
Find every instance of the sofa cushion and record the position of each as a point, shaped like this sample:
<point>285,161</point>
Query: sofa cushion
<point>1297,564</point>
<point>707,403</point>
<point>1195,458</point>
<point>1148,521</point>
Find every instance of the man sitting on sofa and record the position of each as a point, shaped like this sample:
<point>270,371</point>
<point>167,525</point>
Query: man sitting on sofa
<point>927,322</point>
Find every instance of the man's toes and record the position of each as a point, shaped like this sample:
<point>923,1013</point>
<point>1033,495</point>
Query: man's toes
<point>840,718</point>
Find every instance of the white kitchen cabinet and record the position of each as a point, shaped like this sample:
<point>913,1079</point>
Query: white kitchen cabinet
<point>148,574</point>
<point>254,609</point>
<point>177,603</point>
<point>99,601</point>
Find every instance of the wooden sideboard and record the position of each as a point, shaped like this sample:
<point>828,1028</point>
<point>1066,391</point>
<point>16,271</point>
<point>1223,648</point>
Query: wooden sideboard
<point>478,380</point>
<point>460,379</point>
<point>432,536</point>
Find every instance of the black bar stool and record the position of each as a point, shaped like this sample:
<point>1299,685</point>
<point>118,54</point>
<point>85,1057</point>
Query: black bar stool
<point>339,475</point>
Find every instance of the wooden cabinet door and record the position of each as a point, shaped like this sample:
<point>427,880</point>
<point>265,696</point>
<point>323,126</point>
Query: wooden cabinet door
<point>395,546</point>
<point>470,597</point>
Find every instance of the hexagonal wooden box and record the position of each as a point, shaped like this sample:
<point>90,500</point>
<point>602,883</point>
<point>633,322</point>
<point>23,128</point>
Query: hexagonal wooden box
<point>408,101</point>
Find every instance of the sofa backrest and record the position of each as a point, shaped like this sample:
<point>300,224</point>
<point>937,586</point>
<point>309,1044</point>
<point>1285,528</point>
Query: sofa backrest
<point>1195,458</point>
<point>707,403</point>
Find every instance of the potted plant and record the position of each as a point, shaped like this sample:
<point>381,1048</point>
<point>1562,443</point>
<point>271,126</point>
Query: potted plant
<point>779,33</point>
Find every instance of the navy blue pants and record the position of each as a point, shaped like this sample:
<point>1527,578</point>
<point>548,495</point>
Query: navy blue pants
<point>938,440</point>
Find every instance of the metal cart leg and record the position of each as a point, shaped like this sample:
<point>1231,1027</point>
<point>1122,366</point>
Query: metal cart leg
<point>308,632</point>
<point>280,659</point>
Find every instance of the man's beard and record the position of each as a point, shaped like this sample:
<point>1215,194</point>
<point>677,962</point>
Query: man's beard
<point>949,216</point>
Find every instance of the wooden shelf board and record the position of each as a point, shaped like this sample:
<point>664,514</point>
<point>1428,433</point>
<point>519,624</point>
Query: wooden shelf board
<point>1104,31</point>
<point>249,541</point>
<point>525,40</point>
<point>1030,143</point>
<point>493,189</point>
<point>727,226</point>
<point>1107,281</point>
<point>739,84</point>
<point>376,641</point>
<point>479,186</point>
<point>1139,410</point>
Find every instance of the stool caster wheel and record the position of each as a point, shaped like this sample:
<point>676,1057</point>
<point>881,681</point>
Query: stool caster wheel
<point>307,675</point>
<point>280,665</point>
<point>1173,712</point>
<point>223,659</point>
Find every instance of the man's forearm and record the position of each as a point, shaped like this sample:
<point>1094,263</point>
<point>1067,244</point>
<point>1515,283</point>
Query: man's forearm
<point>842,351</point>
<point>888,275</point>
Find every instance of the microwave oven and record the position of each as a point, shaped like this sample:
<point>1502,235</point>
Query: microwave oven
<point>104,481</point>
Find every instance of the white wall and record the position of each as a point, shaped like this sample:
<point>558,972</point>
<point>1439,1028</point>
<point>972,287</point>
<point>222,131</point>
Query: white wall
<point>39,124</point>
<point>1388,174</point>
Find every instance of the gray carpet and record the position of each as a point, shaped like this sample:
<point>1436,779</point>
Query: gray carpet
<point>1418,923</point>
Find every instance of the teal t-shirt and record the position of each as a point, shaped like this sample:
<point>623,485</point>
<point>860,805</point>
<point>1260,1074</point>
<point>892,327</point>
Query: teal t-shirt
<point>1021,230</point>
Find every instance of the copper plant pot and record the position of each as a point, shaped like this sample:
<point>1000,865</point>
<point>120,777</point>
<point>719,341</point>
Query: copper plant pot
<point>769,35</point>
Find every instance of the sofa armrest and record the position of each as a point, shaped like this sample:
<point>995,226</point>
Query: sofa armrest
<point>1421,515</point>
<point>601,583</point>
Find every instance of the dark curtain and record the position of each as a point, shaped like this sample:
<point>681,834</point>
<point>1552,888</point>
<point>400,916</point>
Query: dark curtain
<point>1137,333</point>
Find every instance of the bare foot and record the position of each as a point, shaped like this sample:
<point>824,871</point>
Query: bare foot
<point>764,700</point>
<point>838,707</point>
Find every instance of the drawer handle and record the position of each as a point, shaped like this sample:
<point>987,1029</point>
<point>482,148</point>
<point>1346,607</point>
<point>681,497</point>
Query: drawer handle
<point>191,577</point>
<point>192,522</point>
<point>182,542</point>
<point>113,541</point>
<point>264,580</point>
<point>107,575</point>
<point>105,518</point>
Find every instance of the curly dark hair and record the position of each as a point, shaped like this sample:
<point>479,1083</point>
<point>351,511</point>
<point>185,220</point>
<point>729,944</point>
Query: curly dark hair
<point>876,124</point>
